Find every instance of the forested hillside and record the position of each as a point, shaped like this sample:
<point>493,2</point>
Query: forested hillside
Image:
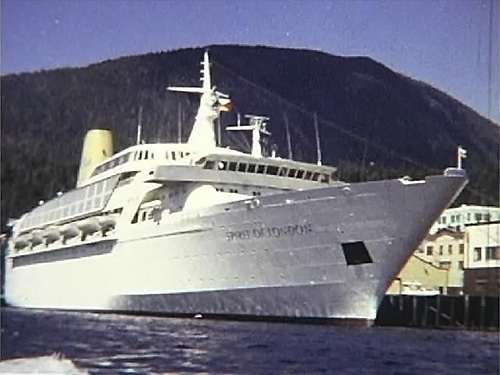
<point>374,122</point>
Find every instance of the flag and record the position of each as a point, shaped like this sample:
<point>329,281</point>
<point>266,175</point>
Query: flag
<point>225,105</point>
<point>462,152</point>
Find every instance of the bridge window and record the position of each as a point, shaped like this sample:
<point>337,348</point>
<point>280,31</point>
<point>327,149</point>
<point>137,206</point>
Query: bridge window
<point>272,170</point>
<point>242,167</point>
<point>232,166</point>
<point>315,176</point>
<point>283,171</point>
<point>251,168</point>
<point>308,175</point>
<point>300,174</point>
<point>210,164</point>
<point>292,172</point>
<point>261,169</point>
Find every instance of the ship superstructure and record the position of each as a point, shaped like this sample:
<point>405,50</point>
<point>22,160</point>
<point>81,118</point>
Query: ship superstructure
<point>197,228</point>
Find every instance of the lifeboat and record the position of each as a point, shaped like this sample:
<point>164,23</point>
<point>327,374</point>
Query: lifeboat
<point>69,231</point>
<point>36,237</point>
<point>51,235</point>
<point>21,242</point>
<point>107,222</point>
<point>88,226</point>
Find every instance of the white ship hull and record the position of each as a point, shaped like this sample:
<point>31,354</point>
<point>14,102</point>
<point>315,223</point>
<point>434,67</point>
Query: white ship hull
<point>323,253</point>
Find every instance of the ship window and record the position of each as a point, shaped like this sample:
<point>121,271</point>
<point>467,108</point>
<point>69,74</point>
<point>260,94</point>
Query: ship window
<point>261,169</point>
<point>283,171</point>
<point>308,175</point>
<point>232,166</point>
<point>100,186</point>
<point>356,253</point>
<point>300,174</point>
<point>251,168</point>
<point>145,154</point>
<point>325,178</point>
<point>242,167</point>
<point>144,216</point>
<point>88,205</point>
<point>221,165</point>
<point>291,172</point>
<point>201,161</point>
<point>173,155</point>
<point>272,169</point>
<point>315,176</point>
<point>210,164</point>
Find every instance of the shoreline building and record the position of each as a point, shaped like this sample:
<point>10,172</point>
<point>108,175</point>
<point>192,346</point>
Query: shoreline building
<point>457,218</point>
<point>482,260</point>
<point>464,245</point>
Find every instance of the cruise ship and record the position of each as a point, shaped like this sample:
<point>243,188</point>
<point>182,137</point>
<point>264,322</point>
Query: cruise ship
<point>199,229</point>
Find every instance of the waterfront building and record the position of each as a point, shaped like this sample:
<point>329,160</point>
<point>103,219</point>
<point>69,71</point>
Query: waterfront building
<point>445,249</point>
<point>419,277</point>
<point>464,243</point>
<point>456,218</point>
<point>437,264</point>
<point>482,259</point>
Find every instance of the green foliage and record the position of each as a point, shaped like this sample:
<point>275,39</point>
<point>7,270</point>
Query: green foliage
<point>374,123</point>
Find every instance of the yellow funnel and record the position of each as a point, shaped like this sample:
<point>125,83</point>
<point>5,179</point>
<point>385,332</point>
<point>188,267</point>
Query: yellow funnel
<point>97,147</point>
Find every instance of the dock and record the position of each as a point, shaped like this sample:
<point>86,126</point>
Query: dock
<point>440,311</point>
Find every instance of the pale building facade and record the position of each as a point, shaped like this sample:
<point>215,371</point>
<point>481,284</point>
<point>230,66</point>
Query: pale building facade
<point>483,243</point>
<point>419,277</point>
<point>464,245</point>
<point>446,250</point>
<point>457,218</point>
<point>482,260</point>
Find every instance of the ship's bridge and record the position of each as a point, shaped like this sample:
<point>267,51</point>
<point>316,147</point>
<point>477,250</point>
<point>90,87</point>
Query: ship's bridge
<point>139,157</point>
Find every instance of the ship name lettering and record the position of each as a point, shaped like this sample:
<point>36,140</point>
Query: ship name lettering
<point>273,232</point>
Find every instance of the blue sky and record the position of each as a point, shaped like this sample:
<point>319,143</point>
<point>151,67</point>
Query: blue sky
<point>450,44</point>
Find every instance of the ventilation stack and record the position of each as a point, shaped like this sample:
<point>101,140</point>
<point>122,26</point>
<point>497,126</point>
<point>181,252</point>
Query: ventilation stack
<point>97,147</point>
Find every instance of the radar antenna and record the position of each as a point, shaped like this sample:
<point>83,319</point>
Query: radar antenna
<point>258,125</point>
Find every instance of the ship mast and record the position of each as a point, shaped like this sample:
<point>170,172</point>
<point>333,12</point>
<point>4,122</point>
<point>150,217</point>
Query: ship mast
<point>203,134</point>
<point>318,144</point>
<point>288,139</point>
<point>139,126</point>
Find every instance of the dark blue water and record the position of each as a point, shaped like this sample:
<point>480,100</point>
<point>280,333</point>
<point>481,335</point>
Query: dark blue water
<point>120,344</point>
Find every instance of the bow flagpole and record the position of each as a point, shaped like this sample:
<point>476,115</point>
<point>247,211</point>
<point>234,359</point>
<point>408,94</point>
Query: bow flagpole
<point>461,154</point>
